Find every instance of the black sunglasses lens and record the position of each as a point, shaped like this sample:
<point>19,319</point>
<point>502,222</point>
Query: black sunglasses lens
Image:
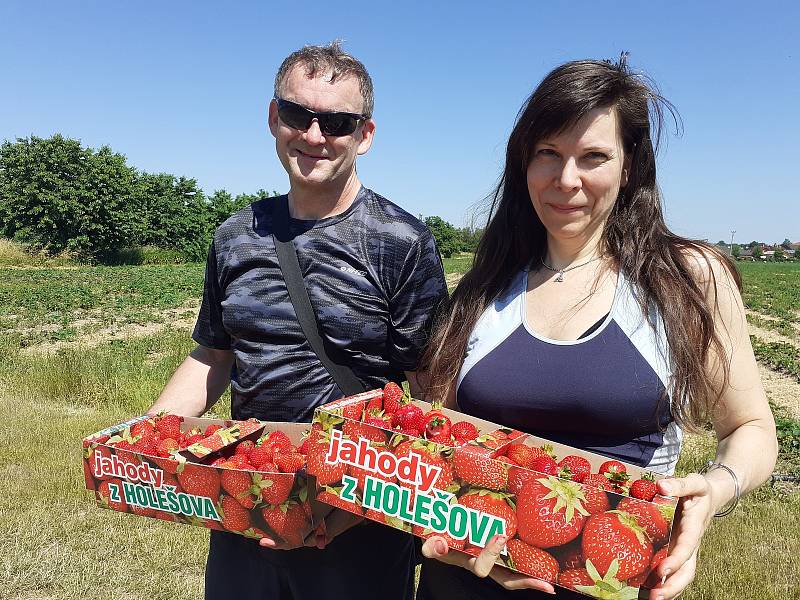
<point>294,115</point>
<point>337,124</point>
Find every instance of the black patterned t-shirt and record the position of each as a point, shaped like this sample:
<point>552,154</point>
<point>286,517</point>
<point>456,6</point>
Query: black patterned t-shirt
<point>374,278</point>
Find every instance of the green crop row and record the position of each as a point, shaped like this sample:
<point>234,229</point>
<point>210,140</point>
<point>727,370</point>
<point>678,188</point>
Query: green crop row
<point>772,289</point>
<point>783,327</point>
<point>778,355</point>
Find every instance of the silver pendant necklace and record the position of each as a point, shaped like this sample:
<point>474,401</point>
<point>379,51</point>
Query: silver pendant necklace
<point>561,272</point>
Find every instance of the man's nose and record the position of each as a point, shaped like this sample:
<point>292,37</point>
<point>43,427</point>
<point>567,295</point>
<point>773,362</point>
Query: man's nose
<point>569,177</point>
<point>314,134</point>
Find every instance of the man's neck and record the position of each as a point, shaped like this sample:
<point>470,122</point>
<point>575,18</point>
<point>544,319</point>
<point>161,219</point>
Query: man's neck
<point>313,202</point>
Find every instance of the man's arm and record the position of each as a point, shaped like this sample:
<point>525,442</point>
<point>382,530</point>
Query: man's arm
<point>197,383</point>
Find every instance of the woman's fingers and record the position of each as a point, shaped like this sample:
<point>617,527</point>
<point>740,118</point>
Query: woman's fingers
<point>483,563</point>
<point>677,582</point>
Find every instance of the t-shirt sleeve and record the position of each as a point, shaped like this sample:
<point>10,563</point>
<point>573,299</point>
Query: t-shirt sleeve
<point>209,330</point>
<point>420,291</point>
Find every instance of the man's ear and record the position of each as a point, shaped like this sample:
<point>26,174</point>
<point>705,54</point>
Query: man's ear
<point>367,135</point>
<point>272,118</point>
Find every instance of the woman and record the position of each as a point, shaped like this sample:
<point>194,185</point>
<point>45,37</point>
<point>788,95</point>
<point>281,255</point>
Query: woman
<point>584,320</point>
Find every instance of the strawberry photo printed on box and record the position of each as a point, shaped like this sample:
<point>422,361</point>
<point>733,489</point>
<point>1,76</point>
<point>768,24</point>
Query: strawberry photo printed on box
<point>573,518</point>
<point>246,477</point>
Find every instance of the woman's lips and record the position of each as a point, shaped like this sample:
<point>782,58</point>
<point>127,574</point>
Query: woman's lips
<point>565,209</point>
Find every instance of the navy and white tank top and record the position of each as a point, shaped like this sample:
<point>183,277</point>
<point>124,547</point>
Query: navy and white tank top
<point>605,393</point>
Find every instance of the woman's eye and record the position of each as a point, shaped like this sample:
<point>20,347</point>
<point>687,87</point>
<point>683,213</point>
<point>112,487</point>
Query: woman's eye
<point>546,152</point>
<point>597,156</point>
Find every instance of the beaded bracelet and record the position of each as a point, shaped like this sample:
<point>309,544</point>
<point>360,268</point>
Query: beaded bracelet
<point>726,510</point>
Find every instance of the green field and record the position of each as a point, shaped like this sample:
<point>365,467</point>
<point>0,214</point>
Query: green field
<point>59,545</point>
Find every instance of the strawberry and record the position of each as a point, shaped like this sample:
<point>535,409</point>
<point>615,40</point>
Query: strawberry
<point>260,455</point>
<point>410,431</point>
<point>211,430</point>
<point>649,517</point>
<point>575,577</point>
<point>430,456</point>
<point>104,495</point>
<point>234,516</point>
<point>550,512</point>
<point>325,473</point>
<point>409,416</point>
<point>245,447</point>
<point>644,488</point>
<point>436,427</point>
<point>199,480</point>
<point>578,466</point>
<point>331,496</point>
<point>371,429</point>
<point>474,467</point>
<point>531,560</point>
<point>374,406</point>
<point>166,447</point>
<point>170,426</point>
<point>521,455</point>
<point>277,439</point>
<point>240,486</point>
<point>493,503</point>
<point>616,536</point>
<point>595,494</point>
<point>290,463</point>
<point>611,466</point>
<point>588,581</point>
<point>570,556</point>
<point>463,432</point>
<point>545,450</point>
<point>517,476</point>
<point>289,520</point>
<point>392,397</point>
<point>144,428</point>
<point>545,464</point>
<point>649,578</point>
<point>274,487</point>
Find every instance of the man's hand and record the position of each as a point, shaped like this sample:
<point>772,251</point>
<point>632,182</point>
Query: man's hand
<point>337,522</point>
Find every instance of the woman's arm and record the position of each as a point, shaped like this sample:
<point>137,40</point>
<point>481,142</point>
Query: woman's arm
<point>743,423</point>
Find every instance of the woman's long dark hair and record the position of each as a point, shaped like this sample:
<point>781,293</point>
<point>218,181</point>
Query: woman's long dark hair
<point>660,265</point>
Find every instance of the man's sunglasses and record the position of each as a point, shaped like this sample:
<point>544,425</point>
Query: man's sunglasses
<point>330,123</point>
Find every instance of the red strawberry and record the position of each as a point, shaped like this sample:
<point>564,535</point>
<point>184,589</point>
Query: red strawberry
<point>474,467</point>
<point>275,487</point>
<point>594,492</point>
<point>409,416</point>
<point>371,429</point>
<point>144,428</point>
<point>170,426</point>
<point>392,397</point>
<point>521,455</point>
<point>436,427</point>
<point>410,431</point>
<point>245,448</point>
<point>545,450</point>
<point>289,520</point>
<point>615,472</point>
<point>260,455</point>
<point>570,556</point>
<point>325,473</point>
<point>545,464</point>
<point>649,517</point>
<point>166,447</point>
<point>578,466</point>
<point>430,456</point>
<point>644,488</point>
<point>211,430</point>
<point>493,503</point>
<point>574,577</point>
<point>611,466</point>
<point>199,480</point>
<point>649,578</point>
<point>290,463</point>
<point>517,476</point>
<point>234,516</point>
<point>277,439</point>
<point>550,512</point>
<point>374,406</point>
<point>331,496</point>
<point>532,561</point>
<point>104,495</point>
<point>464,432</point>
<point>616,536</point>
<point>240,486</point>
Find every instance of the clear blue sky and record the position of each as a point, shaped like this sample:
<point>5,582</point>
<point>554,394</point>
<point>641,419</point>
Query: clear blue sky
<point>182,87</point>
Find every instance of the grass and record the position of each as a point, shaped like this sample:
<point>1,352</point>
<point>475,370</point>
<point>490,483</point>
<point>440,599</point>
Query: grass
<point>772,289</point>
<point>59,545</point>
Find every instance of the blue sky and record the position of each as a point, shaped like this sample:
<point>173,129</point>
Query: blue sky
<point>182,87</point>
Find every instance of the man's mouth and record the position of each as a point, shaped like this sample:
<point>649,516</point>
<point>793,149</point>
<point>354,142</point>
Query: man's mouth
<point>309,155</point>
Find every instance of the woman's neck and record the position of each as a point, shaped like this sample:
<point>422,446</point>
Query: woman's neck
<point>563,253</point>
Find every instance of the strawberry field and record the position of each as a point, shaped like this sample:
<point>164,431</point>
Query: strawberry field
<point>83,348</point>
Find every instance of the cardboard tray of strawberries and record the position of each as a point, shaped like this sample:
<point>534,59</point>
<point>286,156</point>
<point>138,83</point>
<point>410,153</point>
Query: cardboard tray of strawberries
<point>573,518</point>
<point>246,477</point>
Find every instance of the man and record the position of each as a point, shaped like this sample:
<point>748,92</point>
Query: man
<point>374,278</point>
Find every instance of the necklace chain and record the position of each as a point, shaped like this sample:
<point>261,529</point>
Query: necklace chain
<point>561,272</point>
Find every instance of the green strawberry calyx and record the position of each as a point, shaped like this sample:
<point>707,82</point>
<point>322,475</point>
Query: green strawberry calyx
<point>569,496</point>
<point>608,587</point>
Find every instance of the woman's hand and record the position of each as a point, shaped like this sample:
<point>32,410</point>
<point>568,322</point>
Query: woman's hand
<point>696,499</point>
<point>484,564</point>
<point>337,522</point>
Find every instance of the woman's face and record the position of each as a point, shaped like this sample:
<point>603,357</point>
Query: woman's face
<point>574,177</point>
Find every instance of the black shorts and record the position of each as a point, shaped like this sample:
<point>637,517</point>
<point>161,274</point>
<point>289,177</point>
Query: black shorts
<point>365,562</point>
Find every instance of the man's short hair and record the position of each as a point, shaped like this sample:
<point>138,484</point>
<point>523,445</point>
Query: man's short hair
<point>320,60</point>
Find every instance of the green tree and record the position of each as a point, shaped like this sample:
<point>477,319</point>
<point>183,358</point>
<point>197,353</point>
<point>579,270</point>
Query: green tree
<point>736,251</point>
<point>446,236</point>
<point>757,252</point>
<point>787,244</point>
<point>57,195</point>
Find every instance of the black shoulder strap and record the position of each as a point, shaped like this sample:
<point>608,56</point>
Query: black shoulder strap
<point>344,377</point>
